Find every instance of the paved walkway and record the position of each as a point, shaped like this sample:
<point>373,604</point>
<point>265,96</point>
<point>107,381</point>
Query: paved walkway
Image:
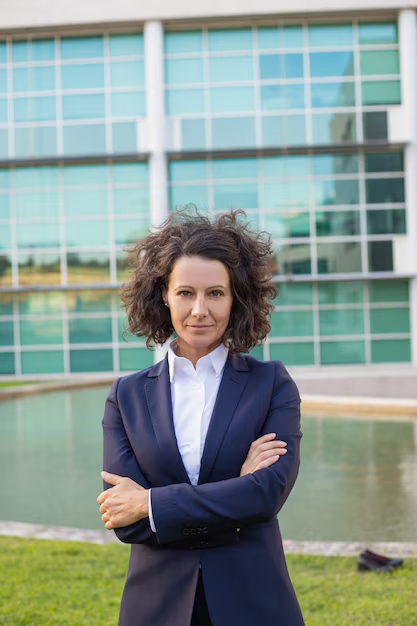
<point>325,548</point>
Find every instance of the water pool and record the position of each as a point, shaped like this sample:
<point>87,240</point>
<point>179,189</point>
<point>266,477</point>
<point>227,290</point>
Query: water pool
<point>357,482</point>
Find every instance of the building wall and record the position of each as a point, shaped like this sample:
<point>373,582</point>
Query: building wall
<point>101,134</point>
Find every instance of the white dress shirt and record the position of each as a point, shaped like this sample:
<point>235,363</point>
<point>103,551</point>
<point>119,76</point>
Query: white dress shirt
<point>193,395</point>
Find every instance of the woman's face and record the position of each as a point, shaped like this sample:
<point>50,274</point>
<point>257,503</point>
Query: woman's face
<point>200,300</point>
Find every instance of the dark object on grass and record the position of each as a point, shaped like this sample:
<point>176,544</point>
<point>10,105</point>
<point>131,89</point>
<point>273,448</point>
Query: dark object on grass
<point>370,561</point>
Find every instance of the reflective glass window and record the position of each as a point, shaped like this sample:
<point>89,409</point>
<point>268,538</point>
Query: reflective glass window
<point>281,66</point>
<point>331,64</point>
<point>275,97</point>
<point>87,233</point>
<point>5,270</point>
<point>292,259</point>
<point>184,101</point>
<point>3,52</point>
<point>375,125</point>
<point>330,128</point>
<point>38,235</point>
<point>338,223</point>
<point>7,363</point>
<point>88,267</point>
<point>84,139</point>
<point>4,116</point>
<point>380,62</point>
<point>294,294</point>
<point>342,352</point>
<point>40,332</point>
<point>183,41</point>
<point>240,195</point>
<point>287,224</point>
<point>339,257</point>
<point>130,173</point>
<point>292,324</point>
<point>44,302</point>
<point>180,195</point>
<point>37,204</point>
<point>384,162</point>
<point>85,76</point>
<point>391,351</point>
<point>91,360</point>
<point>188,170</point>
<point>390,320</point>
<point>131,200</point>
<point>228,99</point>
<point>380,256</point>
<point>3,81</point>
<point>193,134</point>
<point>5,236</point>
<point>378,33</point>
<point>130,231</point>
<point>285,194</point>
<point>386,222</point>
<point>330,35</point>
<point>324,164</point>
<point>35,50</point>
<point>388,291</point>
<point>230,69</point>
<point>6,334</point>
<point>35,141</point>
<point>285,166</point>
<point>340,293</point>
<point>83,106</point>
<point>4,206</point>
<point>6,304</point>
<point>129,104</point>
<point>333,191</point>
<point>293,353</point>
<point>36,109</point>
<point>82,47</point>
<point>338,94</point>
<point>381,92</point>
<point>238,132</point>
<point>39,269</point>
<point>288,130</point>
<point>74,175</point>
<point>124,137</point>
<point>135,359</point>
<point>341,322</point>
<point>183,71</point>
<point>80,202</point>
<point>235,39</point>
<point>235,168</point>
<point>90,330</point>
<point>89,301</point>
<point>129,44</point>
<point>285,37</point>
<point>384,190</point>
<point>33,79</point>
<point>42,362</point>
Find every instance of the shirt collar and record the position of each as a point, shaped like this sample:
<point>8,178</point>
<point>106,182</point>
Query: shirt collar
<point>217,358</point>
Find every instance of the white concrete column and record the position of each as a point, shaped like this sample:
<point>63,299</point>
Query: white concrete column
<point>407,23</point>
<point>156,121</point>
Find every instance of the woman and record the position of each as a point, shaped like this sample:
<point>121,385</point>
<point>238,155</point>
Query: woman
<point>202,450</point>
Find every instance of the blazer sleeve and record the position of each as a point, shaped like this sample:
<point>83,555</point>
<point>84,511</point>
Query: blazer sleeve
<point>241,501</point>
<point>120,459</point>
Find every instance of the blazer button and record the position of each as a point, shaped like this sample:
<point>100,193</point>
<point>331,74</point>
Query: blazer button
<point>205,530</point>
<point>186,531</point>
<point>203,544</point>
<point>199,531</point>
<point>193,531</point>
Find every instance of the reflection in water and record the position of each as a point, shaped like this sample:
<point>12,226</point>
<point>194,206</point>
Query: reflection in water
<point>358,478</point>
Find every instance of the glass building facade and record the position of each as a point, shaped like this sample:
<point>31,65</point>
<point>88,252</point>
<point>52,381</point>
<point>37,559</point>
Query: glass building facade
<point>288,121</point>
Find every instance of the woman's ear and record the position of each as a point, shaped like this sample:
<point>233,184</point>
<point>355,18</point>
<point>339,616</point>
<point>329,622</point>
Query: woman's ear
<point>164,295</point>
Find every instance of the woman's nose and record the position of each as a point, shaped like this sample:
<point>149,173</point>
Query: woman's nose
<point>199,308</point>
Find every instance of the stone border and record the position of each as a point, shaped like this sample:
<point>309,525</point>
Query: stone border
<point>21,391</point>
<point>101,537</point>
<point>377,407</point>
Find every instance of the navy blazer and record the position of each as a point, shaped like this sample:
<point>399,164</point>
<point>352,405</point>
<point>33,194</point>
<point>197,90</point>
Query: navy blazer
<point>226,524</point>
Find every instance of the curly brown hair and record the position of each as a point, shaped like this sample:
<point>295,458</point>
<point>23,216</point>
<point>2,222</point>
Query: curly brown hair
<point>226,238</point>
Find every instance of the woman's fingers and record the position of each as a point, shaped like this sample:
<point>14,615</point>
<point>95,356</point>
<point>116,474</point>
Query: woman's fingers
<point>267,462</point>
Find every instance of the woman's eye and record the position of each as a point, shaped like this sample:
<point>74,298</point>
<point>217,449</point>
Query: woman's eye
<point>184,293</point>
<point>216,293</point>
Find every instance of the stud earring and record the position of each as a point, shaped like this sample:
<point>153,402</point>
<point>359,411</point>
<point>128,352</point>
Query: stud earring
<point>166,304</point>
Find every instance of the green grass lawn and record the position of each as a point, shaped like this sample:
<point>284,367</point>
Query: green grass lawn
<point>18,383</point>
<point>75,584</point>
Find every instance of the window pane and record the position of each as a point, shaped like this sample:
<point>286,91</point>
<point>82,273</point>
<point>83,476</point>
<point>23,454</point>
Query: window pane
<point>3,52</point>
<point>90,330</point>
<point>384,190</point>
<point>390,321</point>
<point>388,291</point>
<point>342,322</point>
<point>88,76</point>
<point>89,301</point>
<point>377,33</point>
<point>285,166</point>
<point>81,202</point>
<point>3,81</point>
<point>7,363</point>
<point>35,142</point>
<point>286,224</point>
<point>4,142</point>
<point>331,64</point>
<point>6,334</point>
<point>282,97</point>
<point>5,237</point>
<point>324,164</point>
<point>39,269</point>
<point>288,130</point>
<point>33,79</point>
<point>391,351</point>
<point>130,231</point>
<point>342,352</point>
<point>375,125</point>
<point>129,104</point>
<point>236,132</point>
<point>333,128</point>
<point>230,69</point>
<point>36,50</point>
<point>185,41</point>
<point>332,94</point>
<point>84,139</point>
<point>186,194</point>
<point>36,109</point>
<point>43,362</point>
<point>236,39</point>
<point>292,259</point>
<point>386,222</point>
<point>242,196</point>
<point>4,206</point>
<point>340,293</point>
<point>130,173</point>
<point>131,201</point>
<point>381,92</point>
<point>81,47</point>
<point>40,332</point>
<point>227,100</point>
<point>288,193</point>
<point>91,360</point>
<point>135,359</point>
<point>286,37</point>
<point>193,134</point>
<point>184,101</point>
<point>83,107</point>
<point>89,234</point>
<point>124,137</point>
<point>5,270</point>
<point>384,162</point>
<point>281,66</point>
<point>292,324</point>
<point>294,294</point>
<point>380,256</point>
<point>75,175</point>
<point>293,353</point>
<point>47,302</point>
<point>126,45</point>
<point>333,192</point>
<point>340,223</point>
<point>37,204</point>
<point>380,62</point>
<point>235,168</point>
<point>128,74</point>
<point>188,170</point>
<point>339,258</point>
<point>38,235</point>
<point>182,71</point>
<point>330,35</point>
<point>6,304</point>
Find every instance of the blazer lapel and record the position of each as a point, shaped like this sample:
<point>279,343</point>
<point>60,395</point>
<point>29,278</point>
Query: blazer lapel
<point>234,379</point>
<point>158,397</point>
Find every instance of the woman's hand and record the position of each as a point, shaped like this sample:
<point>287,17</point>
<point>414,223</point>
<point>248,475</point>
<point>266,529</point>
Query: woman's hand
<point>123,504</point>
<point>263,452</point>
